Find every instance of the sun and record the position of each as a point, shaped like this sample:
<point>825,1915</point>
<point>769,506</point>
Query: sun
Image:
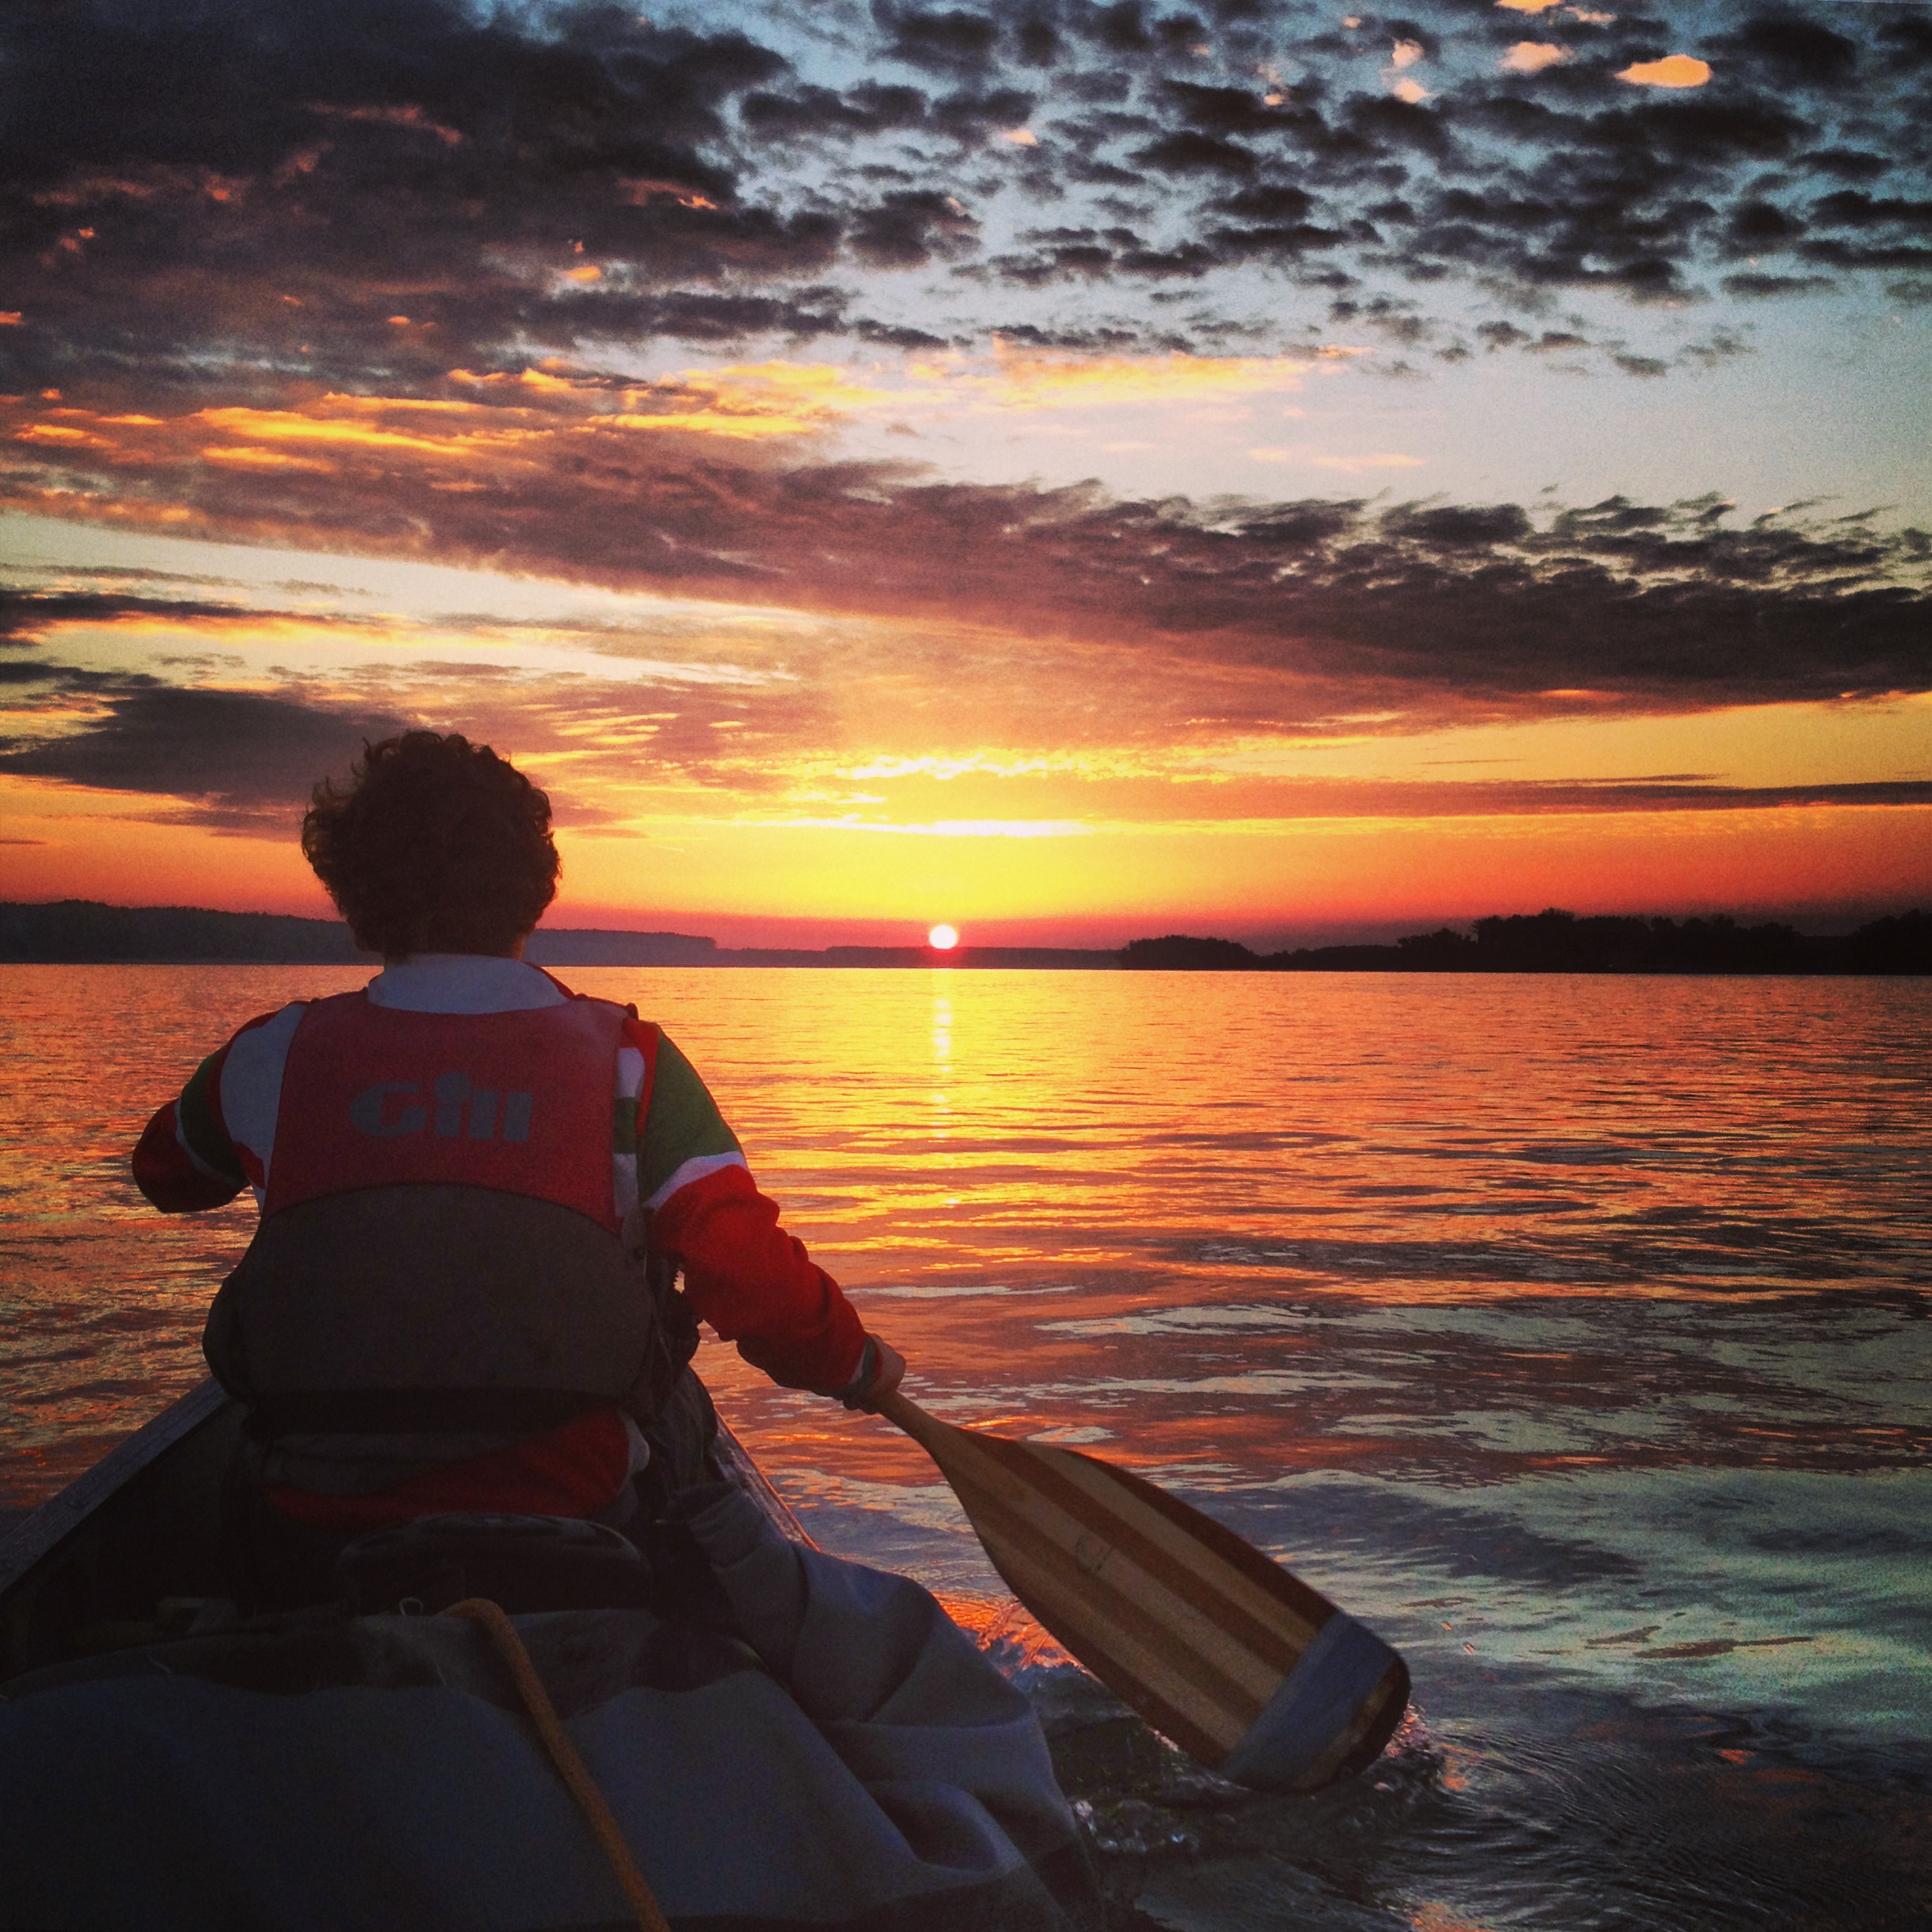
<point>942,938</point>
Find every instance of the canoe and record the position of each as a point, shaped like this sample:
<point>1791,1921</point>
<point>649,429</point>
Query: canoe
<point>832,1752</point>
<point>130,1551</point>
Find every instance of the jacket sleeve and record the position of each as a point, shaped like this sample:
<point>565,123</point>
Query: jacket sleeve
<point>755,1284</point>
<point>751,1281</point>
<point>185,1161</point>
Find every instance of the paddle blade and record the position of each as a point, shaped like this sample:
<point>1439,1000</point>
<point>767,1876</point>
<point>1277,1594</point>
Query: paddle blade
<point>1221,1649</point>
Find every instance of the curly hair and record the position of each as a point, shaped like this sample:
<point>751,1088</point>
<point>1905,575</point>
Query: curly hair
<point>436,845</point>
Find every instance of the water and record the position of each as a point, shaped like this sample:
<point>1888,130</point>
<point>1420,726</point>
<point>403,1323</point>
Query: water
<point>1570,1332</point>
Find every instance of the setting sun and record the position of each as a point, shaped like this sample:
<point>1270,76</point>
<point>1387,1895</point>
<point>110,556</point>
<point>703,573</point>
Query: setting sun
<point>942,938</point>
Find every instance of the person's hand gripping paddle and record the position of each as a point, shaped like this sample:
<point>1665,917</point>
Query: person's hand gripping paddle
<point>1217,1647</point>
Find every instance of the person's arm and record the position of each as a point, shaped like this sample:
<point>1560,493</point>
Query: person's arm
<point>185,1161</point>
<point>746,1276</point>
<point>201,1151</point>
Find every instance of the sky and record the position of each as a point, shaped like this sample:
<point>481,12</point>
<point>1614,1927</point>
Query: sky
<point>1073,471</point>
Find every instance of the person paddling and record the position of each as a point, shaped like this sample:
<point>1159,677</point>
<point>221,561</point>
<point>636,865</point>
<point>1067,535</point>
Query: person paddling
<point>477,1189</point>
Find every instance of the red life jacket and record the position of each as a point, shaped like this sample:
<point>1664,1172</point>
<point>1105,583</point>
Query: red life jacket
<point>374,1096</point>
<point>440,1248</point>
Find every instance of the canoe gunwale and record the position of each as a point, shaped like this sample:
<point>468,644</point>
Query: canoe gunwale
<point>69,1511</point>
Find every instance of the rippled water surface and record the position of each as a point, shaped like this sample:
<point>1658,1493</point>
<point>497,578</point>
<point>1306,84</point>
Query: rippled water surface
<point>1572,1332</point>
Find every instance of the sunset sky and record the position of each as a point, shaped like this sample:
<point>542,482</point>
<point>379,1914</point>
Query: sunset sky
<point>1075,471</point>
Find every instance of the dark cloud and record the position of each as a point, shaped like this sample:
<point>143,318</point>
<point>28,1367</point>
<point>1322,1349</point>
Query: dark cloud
<point>1756,286</point>
<point>249,761</point>
<point>799,315</point>
<point>1850,208</point>
<point>909,228</point>
<point>1189,152</point>
<point>246,761</point>
<point>810,112</point>
<point>1223,110</point>
<point>1906,37</point>
<point>1796,50</point>
<point>943,42</point>
<point>970,116</point>
<point>27,615</point>
<point>1634,795</point>
<point>1100,340</point>
<point>283,180</point>
<point>1413,798</point>
<point>1843,164</point>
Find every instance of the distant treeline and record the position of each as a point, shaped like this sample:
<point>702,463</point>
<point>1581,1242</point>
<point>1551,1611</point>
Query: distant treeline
<point>1556,941</point>
<point>85,932</point>
<point>80,932</point>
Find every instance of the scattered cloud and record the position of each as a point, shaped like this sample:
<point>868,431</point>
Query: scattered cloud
<point>1674,70</point>
<point>1529,56</point>
<point>226,203</point>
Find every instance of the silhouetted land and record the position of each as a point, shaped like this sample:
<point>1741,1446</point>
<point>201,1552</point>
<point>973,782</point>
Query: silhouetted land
<point>1554,941</point>
<point>82,932</point>
<point>85,932</point>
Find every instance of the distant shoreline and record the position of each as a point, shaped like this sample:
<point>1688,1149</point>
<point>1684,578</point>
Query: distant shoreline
<point>1562,942</point>
<point>85,932</point>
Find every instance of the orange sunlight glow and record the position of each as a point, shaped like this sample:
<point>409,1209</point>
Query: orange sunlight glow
<point>1674,70</point>
<point>519,419</point>
<point>1028,380</point>
<point>681,873</point>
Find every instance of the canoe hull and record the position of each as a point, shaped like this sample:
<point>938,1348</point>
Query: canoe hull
<point>127,1553</point>
<point>320,1767</point>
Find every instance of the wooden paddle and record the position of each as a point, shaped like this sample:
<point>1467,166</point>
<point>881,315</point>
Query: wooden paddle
<point>1244,1666</point>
